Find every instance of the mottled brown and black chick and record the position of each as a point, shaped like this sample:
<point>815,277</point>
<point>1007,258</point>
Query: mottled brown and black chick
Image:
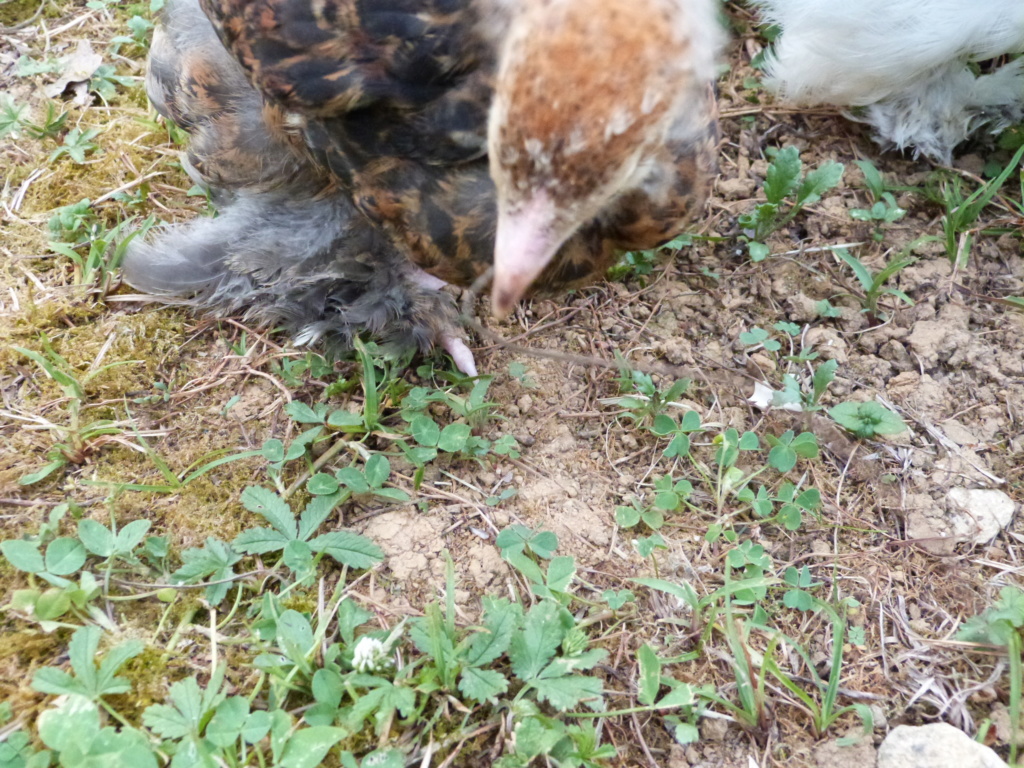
<point>288,246</point>
<point>538,136</point>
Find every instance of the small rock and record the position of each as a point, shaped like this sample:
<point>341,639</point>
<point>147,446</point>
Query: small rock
<point>821,547</point>
<point>801,308</point>
<point>938,745</point>
<point>677,757</point>
<point>1002,724</point>
<point>971,163</point>
<point>958,433</point>
<point>828,344</point>
<point>927,525</point>
<point>896,354</point>
<point>987,512</point>
<point>542,489</point>
<point>762,363</point>
<point>714,729</point>
<point>735,189</point>
<point>921,627</point>
<point>928,339</point>
<point>559,441</point>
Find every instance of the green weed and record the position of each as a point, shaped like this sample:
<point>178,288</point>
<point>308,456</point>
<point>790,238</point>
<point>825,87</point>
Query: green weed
<point>77,144</point>
<point>78,438</point>
<point>139,32</point>
<point>105,247</point>
<point>874,285</point>
<point>1001,625</point>
<point>867,420</point>
<point>959,222</point>
<point>787,191</point>
<point>884,209</point>
<point>643,399</point>
<point>11,116</point>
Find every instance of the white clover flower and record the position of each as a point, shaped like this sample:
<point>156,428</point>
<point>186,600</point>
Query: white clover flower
<point>370,655</point>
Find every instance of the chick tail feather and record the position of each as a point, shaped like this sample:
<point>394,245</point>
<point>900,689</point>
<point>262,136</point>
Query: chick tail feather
<point>317,267</point>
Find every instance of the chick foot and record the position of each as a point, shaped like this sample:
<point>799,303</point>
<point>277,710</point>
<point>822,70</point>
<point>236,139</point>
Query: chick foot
<point>453,345</point>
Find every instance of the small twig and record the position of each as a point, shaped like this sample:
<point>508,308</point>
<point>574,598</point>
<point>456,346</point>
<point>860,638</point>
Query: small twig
<point>127,186</point>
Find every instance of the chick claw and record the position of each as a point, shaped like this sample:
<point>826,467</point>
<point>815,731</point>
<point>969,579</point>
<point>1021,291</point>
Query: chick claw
<point>460,353</point>
<point>453,345</point>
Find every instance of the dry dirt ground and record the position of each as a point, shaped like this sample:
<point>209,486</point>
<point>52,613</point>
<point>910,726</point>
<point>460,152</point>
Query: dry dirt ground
<point>952,365</point>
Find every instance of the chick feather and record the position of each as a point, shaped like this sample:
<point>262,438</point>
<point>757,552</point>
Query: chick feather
<point>540,137</point>
<point>906,63</point>
<point>289,247</point>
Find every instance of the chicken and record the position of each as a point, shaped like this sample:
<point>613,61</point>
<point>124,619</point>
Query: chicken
<point>540,137</point>
<point>288,247</point>
<point>905,62</point>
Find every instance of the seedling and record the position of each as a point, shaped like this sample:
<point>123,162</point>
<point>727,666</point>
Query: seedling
<point>645,401</point>
<point>212,564</point>
<point>475,408</point>
<point>874,284</point>
<point>293,370</point>
<point>962,212</point>
<point>872,179</point>
<point>90,681</point>
<point>633,264</point>
<point>106,247</point>
<point>57,560</point>
<point>884,209</point>
<point>140,30</point>
<point>826,309</point>
<point>518,372</point>
<point>11,116</point>
<point>74,223</point>
<point>29,67</point>
<point>52,125</point>
<point>792,394</point>
<point>77,144</point>
<point>759,338</point>
<point>639,264</point>
<point>293,537</point>
<point>786,507</point>
<point>823,712</point>
<point>867,420</point>
<point>105,82</point>
<point>77,440</point>
<point>679,433</point>
<point>1001,625</point>
<point>787,192</point>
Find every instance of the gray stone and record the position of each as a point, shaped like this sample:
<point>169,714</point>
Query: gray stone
<point>983,513</point>
<point>938,745</point>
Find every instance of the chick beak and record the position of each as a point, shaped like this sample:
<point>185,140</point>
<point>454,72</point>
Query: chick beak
<point>526,242</point>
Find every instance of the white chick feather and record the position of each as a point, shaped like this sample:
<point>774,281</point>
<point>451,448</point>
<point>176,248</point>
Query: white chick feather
<point>906,62</point>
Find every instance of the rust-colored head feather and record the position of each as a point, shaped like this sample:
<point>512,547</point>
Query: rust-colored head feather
<point>587,92</point>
